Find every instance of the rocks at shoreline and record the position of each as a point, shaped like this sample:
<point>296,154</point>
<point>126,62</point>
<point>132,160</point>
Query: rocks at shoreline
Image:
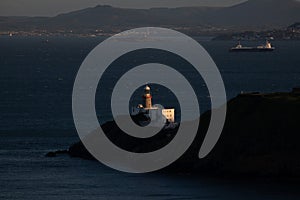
<point>55,153</point>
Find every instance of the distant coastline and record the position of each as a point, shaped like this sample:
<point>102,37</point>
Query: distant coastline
<point>264,18</point>
<point>292,32</point>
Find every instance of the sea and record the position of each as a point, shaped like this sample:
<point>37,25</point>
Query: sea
<point>36,82</point>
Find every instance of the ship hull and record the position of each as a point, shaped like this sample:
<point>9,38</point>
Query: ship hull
<point>251,49</point>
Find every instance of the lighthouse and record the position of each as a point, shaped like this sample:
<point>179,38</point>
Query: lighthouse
<point>156,113</point>
<point>148,98</point>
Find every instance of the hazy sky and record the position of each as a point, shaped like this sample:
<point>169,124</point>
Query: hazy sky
<point>54,7</point>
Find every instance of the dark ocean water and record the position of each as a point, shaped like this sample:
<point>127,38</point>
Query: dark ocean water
<point>37,77</point>
<point>36,80</point>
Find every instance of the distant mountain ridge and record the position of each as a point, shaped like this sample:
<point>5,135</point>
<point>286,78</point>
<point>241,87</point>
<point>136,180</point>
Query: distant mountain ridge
<point>250,14</point>
<point>260,13</point>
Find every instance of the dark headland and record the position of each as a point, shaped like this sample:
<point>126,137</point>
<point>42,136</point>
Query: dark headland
<point>261,138</point>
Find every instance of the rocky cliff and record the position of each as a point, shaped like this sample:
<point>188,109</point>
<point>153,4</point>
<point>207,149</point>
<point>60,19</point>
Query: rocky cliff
<point>261,137</point>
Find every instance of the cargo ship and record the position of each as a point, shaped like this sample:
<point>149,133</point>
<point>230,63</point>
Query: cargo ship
<point>240,48</point>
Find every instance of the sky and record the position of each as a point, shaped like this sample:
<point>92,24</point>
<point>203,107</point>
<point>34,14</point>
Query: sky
<point>54,7</point>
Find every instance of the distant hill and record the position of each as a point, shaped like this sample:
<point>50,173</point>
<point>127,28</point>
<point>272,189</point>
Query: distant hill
<point>295,26</point>
<point>254,14</point>
<point>110,16</point>
<point>259,13</point>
